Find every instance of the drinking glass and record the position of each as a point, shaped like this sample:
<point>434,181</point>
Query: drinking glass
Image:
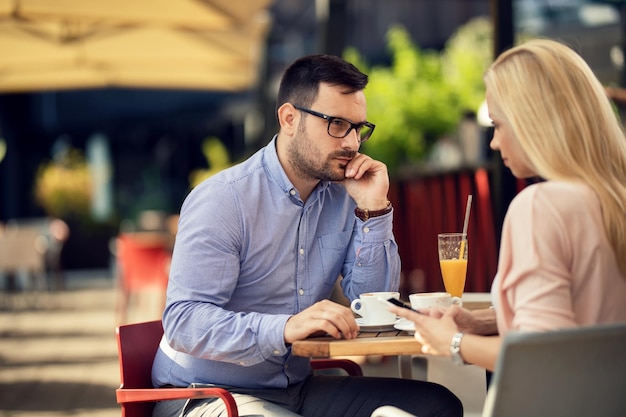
<point>453,250</point>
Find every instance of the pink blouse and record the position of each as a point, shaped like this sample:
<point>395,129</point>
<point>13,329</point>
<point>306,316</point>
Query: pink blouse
<point>556,268</point>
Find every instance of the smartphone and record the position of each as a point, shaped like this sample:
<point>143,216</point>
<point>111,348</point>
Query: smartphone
<point>398,303</point>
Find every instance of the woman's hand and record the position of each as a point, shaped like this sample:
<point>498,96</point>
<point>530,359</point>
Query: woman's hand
<point>482,321</point>
<point>435,328</point>
<point>434,333</point>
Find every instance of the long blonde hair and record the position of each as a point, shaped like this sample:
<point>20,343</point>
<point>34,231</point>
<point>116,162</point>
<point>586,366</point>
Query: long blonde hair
<point>564,121</point>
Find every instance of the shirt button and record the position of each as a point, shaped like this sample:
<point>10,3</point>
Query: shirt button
<point>366,230</point>
<point>276,352</point>
<point>292,192</point>
<point>301,251</point>
<point>301,291</point>
<point>359,264</point>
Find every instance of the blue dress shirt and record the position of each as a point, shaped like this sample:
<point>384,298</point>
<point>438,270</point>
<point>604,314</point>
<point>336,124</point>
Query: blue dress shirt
<point>249,254</point>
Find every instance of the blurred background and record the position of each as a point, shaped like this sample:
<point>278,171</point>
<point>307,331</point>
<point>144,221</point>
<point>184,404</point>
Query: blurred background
<point>110,111</point>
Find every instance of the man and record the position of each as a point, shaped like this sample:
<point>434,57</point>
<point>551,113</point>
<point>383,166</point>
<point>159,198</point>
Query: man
<point>259,248</point>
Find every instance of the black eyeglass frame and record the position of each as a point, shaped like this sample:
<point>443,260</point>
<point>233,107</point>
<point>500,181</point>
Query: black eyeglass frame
<point>330,119</point>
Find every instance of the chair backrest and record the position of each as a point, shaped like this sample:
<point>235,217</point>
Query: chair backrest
<point>573,372</point>
<point>137,344</point>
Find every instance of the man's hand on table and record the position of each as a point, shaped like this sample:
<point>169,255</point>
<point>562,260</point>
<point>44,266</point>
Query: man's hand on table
<point>324,316</point>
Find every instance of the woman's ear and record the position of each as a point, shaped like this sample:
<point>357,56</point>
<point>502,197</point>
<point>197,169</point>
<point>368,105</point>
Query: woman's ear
<point>288,118</point>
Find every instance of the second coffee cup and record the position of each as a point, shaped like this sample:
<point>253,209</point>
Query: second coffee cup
<point>433,299</point>
<point>372,310</point>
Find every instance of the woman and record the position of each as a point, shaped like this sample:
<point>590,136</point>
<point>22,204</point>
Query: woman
<point>562,259</point>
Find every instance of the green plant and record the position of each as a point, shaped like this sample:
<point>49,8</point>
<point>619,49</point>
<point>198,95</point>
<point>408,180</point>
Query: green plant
<point>217,157</point>
<point>63,187</point>
<point>423,94</point>
<point>466,56</point>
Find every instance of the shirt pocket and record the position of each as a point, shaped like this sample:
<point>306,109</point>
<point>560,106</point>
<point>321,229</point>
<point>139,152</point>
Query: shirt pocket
<point>332,252</point>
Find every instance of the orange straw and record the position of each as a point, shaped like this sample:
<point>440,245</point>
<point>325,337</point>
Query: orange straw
<point>465,224</point>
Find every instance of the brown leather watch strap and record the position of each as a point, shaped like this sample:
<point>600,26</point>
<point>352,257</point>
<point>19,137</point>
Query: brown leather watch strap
<point>365,214</point>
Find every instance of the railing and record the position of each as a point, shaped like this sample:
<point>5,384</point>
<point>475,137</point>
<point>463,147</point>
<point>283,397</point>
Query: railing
<point>432,203</point>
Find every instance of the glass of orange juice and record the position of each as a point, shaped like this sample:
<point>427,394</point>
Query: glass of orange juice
<point>453,261</point>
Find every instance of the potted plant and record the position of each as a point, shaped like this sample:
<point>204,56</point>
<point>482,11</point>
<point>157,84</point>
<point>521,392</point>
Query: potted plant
<point>63,188</point>
<point>423,94</point>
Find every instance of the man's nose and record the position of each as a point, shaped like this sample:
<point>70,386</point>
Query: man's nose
<point>352,141</point>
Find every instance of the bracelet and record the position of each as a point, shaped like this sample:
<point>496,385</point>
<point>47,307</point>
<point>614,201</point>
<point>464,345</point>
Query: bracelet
<point>455,349</point>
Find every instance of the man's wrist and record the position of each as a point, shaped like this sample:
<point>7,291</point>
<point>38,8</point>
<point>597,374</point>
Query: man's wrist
<point>366,214</point>
<point>373,204</point>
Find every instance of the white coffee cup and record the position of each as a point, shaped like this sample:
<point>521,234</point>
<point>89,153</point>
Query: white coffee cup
<point>373,312</point>
<point>433,299</point>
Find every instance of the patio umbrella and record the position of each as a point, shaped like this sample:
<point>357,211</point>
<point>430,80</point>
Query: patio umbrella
<point>183,44</point>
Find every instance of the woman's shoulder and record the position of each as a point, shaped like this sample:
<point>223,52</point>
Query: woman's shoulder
<point>559,187</point>
<point>559,196</point>
<point>557,191</point>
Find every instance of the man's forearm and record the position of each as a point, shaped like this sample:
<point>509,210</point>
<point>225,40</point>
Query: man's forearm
<point>485,322</point>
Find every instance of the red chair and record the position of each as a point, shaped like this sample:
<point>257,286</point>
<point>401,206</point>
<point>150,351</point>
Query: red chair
<point>143,261</point>
<point>137,344</point>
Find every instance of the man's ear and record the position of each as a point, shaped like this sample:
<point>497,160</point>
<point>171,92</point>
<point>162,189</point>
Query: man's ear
<point>288,118</point>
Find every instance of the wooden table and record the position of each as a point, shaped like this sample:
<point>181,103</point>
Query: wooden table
<point>367,343</point>
<point>388,343</point>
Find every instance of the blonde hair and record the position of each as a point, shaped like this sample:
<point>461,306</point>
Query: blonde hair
<point>561,116</point>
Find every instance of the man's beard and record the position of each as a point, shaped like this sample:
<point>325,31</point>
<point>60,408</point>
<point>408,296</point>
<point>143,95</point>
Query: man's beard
<point>309,164</point>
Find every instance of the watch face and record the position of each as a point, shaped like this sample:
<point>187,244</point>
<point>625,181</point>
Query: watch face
<point>361,214</point>
<point>367,214</point>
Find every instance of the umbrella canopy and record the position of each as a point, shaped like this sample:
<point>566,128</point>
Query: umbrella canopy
<point>183,44</point>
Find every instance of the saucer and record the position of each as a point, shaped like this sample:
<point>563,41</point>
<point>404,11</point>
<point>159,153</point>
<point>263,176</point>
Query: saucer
<point>374,327</point>
<point>405,325</point>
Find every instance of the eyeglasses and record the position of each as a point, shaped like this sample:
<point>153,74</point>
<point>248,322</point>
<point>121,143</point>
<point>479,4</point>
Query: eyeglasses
<point>340,128</point>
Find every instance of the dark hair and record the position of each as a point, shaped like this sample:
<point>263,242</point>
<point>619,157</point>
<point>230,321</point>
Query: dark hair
<point>300,82</point>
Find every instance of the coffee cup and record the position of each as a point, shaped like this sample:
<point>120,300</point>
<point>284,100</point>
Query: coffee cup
<point>433,299</point>
<point>373,312</point>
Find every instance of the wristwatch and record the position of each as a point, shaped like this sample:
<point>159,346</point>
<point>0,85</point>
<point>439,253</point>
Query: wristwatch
<point>365,214</point>
<point>455,349</point>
